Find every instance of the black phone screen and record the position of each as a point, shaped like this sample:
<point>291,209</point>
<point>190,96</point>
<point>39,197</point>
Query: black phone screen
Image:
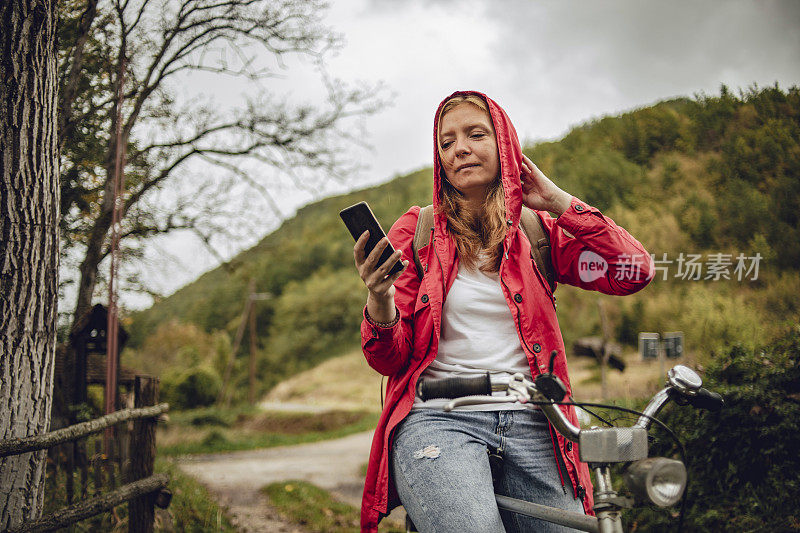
<point>359,218</point>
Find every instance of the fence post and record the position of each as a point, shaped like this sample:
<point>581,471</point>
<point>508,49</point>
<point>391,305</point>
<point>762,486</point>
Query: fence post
<point>141,514</point>
<point>97,466</point>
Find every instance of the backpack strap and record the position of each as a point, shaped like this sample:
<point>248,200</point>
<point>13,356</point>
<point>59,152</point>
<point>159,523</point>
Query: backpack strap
<point>422,235</point>
<point>532,225</point>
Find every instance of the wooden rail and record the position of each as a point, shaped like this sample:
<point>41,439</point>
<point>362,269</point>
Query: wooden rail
<point>77,431</point>
<point>143,490</point>
<point>93,506</point>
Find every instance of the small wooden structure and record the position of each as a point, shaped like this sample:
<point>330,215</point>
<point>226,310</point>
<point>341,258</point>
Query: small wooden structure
<point>82,362</point>
<point>79,364</point>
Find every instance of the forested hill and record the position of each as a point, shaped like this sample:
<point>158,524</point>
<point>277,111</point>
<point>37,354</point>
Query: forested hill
<point>708,175</point>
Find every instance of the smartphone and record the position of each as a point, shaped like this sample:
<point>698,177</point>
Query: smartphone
<point>359,218</point>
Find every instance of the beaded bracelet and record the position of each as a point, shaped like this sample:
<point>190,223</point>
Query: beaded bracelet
<point>383,324</point>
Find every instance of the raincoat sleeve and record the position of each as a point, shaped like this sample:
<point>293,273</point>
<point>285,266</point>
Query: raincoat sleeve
<point>388,350</point>
<point>590,251</point>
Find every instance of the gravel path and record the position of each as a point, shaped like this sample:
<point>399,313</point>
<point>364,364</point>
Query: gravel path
<point>235,478</point>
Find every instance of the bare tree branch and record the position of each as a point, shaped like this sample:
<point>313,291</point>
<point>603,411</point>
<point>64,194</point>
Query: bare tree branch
<point>69,86</point>
<point>157,41</point>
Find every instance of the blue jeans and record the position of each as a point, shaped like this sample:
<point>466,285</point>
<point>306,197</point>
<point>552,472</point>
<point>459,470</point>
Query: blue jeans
<point>442,474</point>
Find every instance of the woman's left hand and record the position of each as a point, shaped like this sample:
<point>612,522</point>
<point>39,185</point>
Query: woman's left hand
<point>539,192</point>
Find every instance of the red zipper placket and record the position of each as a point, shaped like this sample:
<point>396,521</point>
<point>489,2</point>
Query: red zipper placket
<point>555,453</point>
<point>556,449</point>
<point>418,372</point>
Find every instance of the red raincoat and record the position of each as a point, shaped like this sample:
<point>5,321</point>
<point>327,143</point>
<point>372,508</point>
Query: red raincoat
<point>403,351</point>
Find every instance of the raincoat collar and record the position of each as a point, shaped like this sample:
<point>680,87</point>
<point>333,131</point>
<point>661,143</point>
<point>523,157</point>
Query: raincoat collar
<point>510,155</point>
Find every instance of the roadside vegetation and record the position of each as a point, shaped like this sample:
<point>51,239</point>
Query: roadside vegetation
<point>316,510</point>
<point>192,509</point>
<point>212,430</point>
<point>742,461</point>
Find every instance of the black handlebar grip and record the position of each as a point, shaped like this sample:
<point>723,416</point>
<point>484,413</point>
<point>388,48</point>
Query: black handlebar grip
<point>454,387</point>
<point>705,399</point>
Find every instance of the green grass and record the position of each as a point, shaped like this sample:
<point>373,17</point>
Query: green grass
<point>214,430</point>
<point>192,508</point>
<point>314,508</point>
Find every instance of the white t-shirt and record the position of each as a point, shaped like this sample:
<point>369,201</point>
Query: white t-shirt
<point>478,334</point>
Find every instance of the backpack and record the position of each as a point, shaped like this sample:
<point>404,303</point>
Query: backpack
<point>530,223</point>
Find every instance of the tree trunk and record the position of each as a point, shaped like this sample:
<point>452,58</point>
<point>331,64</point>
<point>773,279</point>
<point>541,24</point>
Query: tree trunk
<point>29,213</point>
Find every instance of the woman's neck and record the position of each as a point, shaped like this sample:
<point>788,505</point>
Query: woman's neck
<point>474,206</point>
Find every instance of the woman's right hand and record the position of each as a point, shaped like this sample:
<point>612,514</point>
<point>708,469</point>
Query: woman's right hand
<point>380,302</point>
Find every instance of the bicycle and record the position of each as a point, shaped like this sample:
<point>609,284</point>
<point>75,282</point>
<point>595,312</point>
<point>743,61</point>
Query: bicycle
<point>659,481</point>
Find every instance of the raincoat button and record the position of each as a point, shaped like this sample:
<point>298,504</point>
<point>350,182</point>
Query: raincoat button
<point>509,222</point>
<point>518,297</point>
<point>424,298</point>
<point>578,208</point>
<point>569,446</point>
<point>537,347</point>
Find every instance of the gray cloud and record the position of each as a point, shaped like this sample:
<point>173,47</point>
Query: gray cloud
<point>650,49</point>
<point>562,62</point>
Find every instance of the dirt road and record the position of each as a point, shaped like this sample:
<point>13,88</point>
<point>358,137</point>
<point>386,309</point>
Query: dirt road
<point>235,478</point>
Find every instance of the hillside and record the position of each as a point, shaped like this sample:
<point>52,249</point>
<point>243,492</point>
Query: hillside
<point>321,387</point>
<point>703,176</point>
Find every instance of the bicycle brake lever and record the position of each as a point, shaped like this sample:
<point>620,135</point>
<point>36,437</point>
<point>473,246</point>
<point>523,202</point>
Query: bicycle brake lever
<point>518,388</point>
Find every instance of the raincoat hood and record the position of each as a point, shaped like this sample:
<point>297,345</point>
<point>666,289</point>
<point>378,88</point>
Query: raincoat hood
<point>509,153</point>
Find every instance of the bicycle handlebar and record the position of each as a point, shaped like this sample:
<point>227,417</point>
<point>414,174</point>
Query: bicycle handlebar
<point>705,399</point>
<point>477,390</point>
<point>454,387</point>
<point>522,390</point>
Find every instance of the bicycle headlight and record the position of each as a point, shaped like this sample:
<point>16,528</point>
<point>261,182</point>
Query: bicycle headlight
<point>658,480</point>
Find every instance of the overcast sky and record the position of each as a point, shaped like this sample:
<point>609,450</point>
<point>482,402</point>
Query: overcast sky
<point>550,64</point>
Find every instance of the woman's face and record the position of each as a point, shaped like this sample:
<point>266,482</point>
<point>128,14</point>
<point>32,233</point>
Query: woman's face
<point>468,150</point>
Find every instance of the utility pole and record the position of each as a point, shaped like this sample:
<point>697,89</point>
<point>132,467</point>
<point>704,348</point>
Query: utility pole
<point>248,316</point>
<point>251,393</point>
<point>254,297</point>
<point>605,350</point>
<point>112,329</point>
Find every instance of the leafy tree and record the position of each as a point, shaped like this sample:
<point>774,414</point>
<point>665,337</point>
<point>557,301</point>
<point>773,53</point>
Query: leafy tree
<point>314,319</point>
<point>118,62</point>
<point>179,344</point>
<point>196,387</point>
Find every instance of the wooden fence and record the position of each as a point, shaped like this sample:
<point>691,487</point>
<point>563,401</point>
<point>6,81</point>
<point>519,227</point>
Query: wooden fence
<point>142,490</point>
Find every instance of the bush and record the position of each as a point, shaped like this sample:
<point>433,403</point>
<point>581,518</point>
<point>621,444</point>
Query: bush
<point>196,387</point>
<point>315,320</point>
<point>176,344</point>
<point>743,461</point>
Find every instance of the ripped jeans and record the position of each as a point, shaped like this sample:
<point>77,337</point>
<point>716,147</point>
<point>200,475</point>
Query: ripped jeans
<point>442,473</point>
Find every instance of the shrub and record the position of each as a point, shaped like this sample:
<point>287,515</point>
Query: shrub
<point>315,319</point>
<point>196,387</point>
<point>743,461</point>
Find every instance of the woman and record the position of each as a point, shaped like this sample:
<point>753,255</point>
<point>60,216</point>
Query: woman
<point>481,305</point>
